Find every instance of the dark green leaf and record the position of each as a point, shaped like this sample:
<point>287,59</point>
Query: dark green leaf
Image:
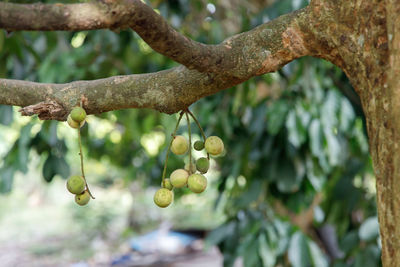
<point>287,180</point>
<point>48,171</point>
<point>220,233</point>
<point>276,116</point>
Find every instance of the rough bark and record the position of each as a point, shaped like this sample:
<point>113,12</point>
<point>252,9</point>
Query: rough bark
<point>264,49</point>
<point>363,39</point>
<point>387,156</point>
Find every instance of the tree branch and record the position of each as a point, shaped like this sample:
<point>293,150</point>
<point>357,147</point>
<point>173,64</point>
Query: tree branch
<point>120,14</point>
<point>115,14</point>
<point>261,50</point>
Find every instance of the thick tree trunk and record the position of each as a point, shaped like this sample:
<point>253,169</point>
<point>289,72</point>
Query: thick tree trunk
<point>385,140</point>
<point>363,39</point>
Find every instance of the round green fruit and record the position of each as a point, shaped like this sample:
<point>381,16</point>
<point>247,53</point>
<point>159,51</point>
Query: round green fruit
<point>198,145</point>
<point>197,183</point>
<point>179,178</point>
<point>202,165</point>
<point>167,184</point>
<point>214,145</point>
<point>163,197</point>
<point>193,167</point>
<point>180,145</point>
<point>74,124</point>
<point>78,114</point>
<point>75,184</point>
<point>82,199</point>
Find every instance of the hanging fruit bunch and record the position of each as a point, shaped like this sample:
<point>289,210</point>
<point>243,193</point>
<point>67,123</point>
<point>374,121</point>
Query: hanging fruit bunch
<point>77,184</point>
<point>192,175</point>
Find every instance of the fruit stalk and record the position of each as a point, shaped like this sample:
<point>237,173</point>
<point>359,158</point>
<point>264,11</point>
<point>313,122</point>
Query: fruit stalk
<point>82,169</point>
<point>190,141</point>
<point>201,129</point>
<point>169,148</point>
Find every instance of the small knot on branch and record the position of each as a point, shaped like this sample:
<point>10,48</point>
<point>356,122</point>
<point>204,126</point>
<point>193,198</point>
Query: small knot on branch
<point>47,110</point>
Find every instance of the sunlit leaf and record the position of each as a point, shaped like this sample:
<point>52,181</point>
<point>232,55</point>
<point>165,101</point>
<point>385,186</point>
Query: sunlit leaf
<point>369,229</point>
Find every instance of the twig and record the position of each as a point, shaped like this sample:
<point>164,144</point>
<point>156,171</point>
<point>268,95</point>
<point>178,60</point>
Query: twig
<point>169,148</point>
<point>190,142</point>
<point>201,129</point>
<point>81,156</point>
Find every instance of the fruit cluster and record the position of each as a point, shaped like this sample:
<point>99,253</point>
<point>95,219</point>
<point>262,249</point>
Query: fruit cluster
<point>187,176</point>
<point>76,184</point>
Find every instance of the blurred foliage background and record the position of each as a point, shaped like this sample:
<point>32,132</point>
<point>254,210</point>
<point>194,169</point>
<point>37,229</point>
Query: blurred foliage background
<point>295,187</point>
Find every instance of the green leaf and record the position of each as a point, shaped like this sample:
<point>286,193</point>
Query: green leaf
<point>23,147</point>
<point>49,132</point>
<point>61,167</point>
<point>329,109</point>
<point>316,140</point>
<point>298,253</point>
<point>250,255</point>
<point>349,242</point>
<point>334,149</point>
<point>282,229</point>
<point>369,230</point>
<point>219,234</point>
<point>257,122</point>
<point>268,256</point>
<point>296,131</point>
<point>370,257</point>
<point>6,113</point>
<point>318,258</point>
<point>55,165</point>
<point>276,116</point>
<point>250,195</point>
<point>48,170</point>
<point>287,180</point>
<point>6,179</point>
<point>315,174</point>
<point>346,115</point>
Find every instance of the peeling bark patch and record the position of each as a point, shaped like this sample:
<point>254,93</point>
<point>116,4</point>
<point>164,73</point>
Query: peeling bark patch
<point>293,40</point>
<point>269,64</point>
<point>45,110</point>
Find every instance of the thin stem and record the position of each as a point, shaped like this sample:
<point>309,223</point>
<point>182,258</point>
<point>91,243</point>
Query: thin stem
<point>190,143</point>
<point>169,148</point>
<point>81,155</point>
<point>201,129</point>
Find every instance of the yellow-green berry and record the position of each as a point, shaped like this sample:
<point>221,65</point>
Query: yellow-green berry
<point>193,167</point>
<point>179,178</point>
<point>198,145</point>
<point>197,183</point>
<point>75,184</point>
<point>163,197</point>
<point>74,124</point>
<point>167,184</point>
<point>82,199</point>
<point>180,145</point>
<point>214,145</point>
<point>78,114</point>
<point>202,165</point>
